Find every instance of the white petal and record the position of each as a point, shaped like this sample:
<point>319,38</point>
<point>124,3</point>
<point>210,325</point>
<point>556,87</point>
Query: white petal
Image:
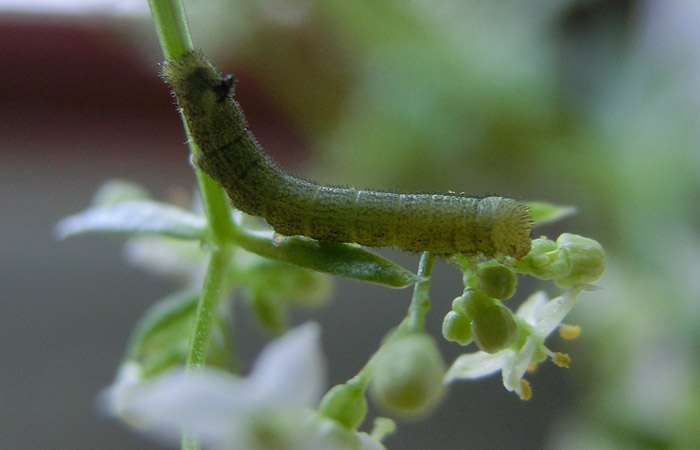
<point>291,369</point>
<point>367,443</point>
<point>327,434</point>
<point>110,401</point>
<point>209,403</point>
<point>549,316</point>
<point>528,308</point>
<point>517,366</point>
<point>477,365</point>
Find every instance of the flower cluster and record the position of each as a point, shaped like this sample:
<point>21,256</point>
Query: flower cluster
<point>280,405</point>
<point>270,408</point>
<point>537,318</point>
<point>514,342</point>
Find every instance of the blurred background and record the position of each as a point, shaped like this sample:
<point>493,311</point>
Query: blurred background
<point>593,103</point>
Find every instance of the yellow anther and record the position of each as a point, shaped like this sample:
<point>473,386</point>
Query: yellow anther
<point>525,390</point>
<point>532,368</point>
<point>569,331</point>
<point>561,359</point>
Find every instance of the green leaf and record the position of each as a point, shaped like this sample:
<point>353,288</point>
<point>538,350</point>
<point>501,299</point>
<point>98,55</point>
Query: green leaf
<point>542,212</point>
<point>161,339</point>
<point>135,217</point>
<point>345,260</point>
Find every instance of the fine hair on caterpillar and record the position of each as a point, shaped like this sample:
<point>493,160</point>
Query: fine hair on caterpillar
<point>440,223</point>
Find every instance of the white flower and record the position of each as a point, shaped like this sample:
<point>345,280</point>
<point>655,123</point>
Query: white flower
<point>269,409</point>
<point>537,318</point>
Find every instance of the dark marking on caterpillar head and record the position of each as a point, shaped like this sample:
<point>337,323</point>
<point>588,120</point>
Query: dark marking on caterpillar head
<point>444,224</point>
<point>225,87</point>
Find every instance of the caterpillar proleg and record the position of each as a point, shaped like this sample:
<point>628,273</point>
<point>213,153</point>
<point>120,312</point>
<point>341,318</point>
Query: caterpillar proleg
<point>257,185</point>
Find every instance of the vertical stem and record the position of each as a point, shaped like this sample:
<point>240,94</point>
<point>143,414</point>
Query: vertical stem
<point>420,302</point>
<point>206,308</point>
<point>173,33</point>
<point>174,36</point>
<point>171,27</point>
<point>216,207</point>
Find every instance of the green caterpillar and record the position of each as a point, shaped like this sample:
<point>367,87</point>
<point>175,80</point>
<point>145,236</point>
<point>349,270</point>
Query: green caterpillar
<point>257,185</point>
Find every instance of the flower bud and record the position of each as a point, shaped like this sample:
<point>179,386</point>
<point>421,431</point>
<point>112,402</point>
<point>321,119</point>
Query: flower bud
<point>456,327</point>
<point>497,281</point>
<point>572,261</point>
<point>459,305</point>
<point>408,375</point>
<point>585,257</point>
<point>544,261</point>
<point>346,404</point>
<point>494,328</point>
<point>476,302</point>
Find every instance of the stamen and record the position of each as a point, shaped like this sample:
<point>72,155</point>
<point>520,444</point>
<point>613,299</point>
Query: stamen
<point>569,331</point>
<point>561,359</point>
<point>525,390</point>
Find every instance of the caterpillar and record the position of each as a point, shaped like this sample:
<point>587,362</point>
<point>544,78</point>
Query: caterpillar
<point>444,224</point>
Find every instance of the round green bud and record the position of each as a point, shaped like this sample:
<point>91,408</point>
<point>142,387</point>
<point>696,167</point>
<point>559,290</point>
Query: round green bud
<point>494,328</point>
<point>476,302</point>
<point>544,261</point>
<point>456,327</point>
<point>408,375</point>
<point>459,305</point>
<point>585,257</point>
<point>542,253</point>
<point>346,404</point>
<point>497,281</point>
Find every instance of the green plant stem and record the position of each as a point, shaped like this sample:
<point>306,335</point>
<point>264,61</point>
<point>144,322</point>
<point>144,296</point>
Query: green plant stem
<point>216,209</point>
<point>420,302</point>
<point>415,318</point>
<point>174,36</point>
<point>173,33</point>
<point>171,27</point>
<point>206,308</point>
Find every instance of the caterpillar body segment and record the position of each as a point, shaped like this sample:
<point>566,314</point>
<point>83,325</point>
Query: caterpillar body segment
<point>257,185</point>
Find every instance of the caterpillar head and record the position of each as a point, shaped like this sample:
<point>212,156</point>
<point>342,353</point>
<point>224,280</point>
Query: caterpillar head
<point>510,226</point>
